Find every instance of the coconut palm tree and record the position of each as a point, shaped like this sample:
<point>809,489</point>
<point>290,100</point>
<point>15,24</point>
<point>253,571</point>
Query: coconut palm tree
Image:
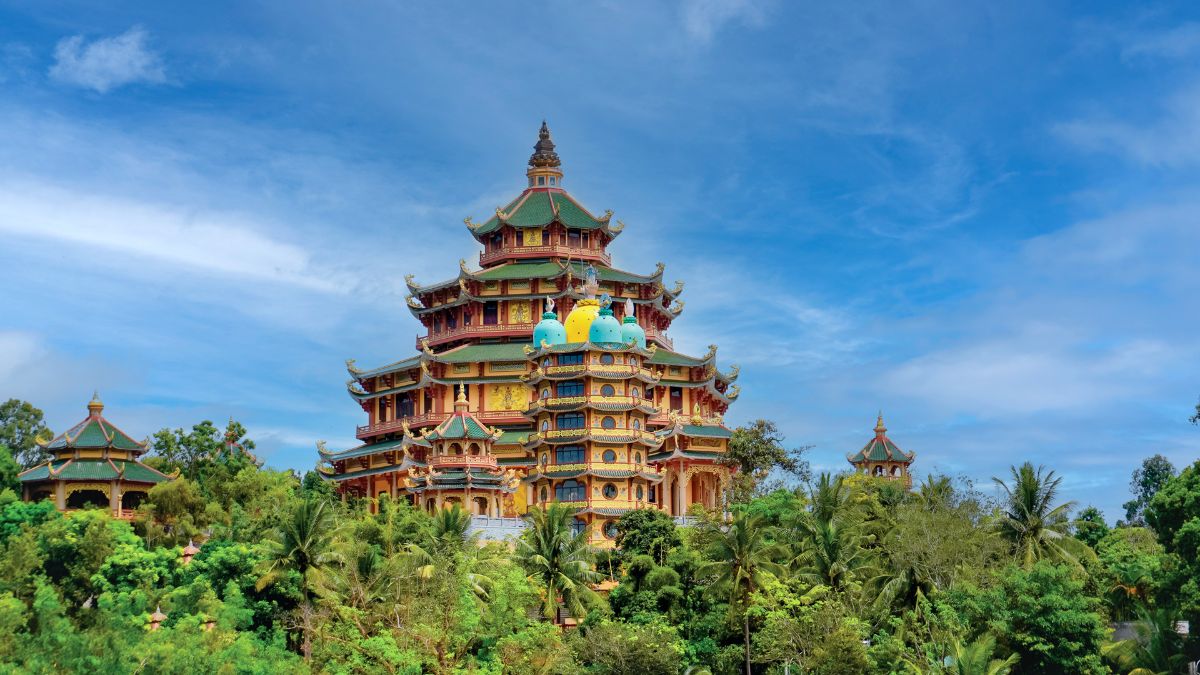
<point>303,543</point>
<point>1036,526</point>
<point>976,658</point>
<point>742,556</point>
<point>558,559</point>
<point>1157,649</point>
<point>935,492</point>
<point>831,552</point>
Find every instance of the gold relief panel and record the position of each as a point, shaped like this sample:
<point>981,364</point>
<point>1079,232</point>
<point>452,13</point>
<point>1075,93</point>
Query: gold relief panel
<point>518,311</point>
<point>507,397</point>
<point>531,237</point>
<point>506,366</point>
<point>705,442</point>
<point>462,367</point>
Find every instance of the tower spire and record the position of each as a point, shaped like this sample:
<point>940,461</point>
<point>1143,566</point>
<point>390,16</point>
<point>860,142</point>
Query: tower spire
<point>545,168</point>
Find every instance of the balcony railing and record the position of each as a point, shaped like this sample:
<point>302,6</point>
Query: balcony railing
<point>571,402</point>
<point>369,430</point>
<point>484,461</point>
<point>552,250</point>
<point>661,336</point>
<point>475,330</point>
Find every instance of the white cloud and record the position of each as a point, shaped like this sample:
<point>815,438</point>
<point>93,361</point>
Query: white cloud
<point>1171,140</point>
<point>703,18</point>
<point>1176,43</point>
<point>17,350</point>
<point>219,244</point>
<point>107,63</point>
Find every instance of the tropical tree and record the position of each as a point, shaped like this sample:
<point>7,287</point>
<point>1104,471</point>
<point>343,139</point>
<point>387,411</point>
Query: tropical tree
<point>935,492</point>
<point>1036,527</point>
<point>1146,481</point>
<point>1156,650</point>
<point>21,429</point>
<point>975,658</point>
<point>557,559</point>
<point>303,544</point>
<point>742,555</point>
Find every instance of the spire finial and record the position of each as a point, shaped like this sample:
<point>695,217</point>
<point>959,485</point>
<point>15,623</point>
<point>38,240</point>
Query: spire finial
<point>95,406</point>
<point>544,166</point>
<point>462,395</point>
<point>879,428</point>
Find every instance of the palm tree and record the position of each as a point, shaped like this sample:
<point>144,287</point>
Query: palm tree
<point>833,551</point>
<point>1157,649</point>
<point>1030,520</point>
<point>304,543</point>
<point>361,580</point>
<point>742,555</point>
<point>448,546</point>
<point>557,559</point>
<point>976,658</point>
<point>935,492</point>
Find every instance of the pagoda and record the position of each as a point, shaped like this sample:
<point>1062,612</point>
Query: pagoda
<point>94,464</point>
<point>882,458</point>
<point>595,411</point>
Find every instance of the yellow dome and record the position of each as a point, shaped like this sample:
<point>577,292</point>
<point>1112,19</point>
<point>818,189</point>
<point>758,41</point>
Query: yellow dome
<point>579,321</point>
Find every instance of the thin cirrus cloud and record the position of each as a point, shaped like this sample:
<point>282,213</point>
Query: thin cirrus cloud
<point>107,63</point>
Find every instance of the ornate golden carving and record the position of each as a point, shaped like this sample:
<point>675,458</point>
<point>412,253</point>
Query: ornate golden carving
<point>619,228</point>
<point>659,268</point>
<point>412,302</point>
<point>462,265</point>
<point>518,311</point>
<point>678,288</point>
<point>425,348</point>
<point>711,354</point>
<point>321,447</point>
<point>350,366</point>
<point>608,214</point>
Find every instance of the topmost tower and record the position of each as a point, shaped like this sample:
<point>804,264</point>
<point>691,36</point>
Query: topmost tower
<point>545,168</point>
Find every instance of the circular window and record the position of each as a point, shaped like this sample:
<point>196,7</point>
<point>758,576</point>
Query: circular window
<point>610,529</point>
<point>606,359</point>
<point>640,493</point>
<point>610,491</point>
<point>608,423</point>
<point>543,493</point>
<point>607,390</point>
<point>610,456</point>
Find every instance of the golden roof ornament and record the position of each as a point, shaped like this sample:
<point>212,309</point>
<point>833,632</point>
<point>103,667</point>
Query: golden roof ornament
<point>426,348</point>
<point>880,429</point>
<point>710,354</point>
<point>412,302</point>
<point>608,214</point>
<point>321,447</point>
<point>619,228</point>
<point>678,287</point>
<point>410,281</point>
<point>350,366</point>
<point>462,265</point>
<point>697,418</point>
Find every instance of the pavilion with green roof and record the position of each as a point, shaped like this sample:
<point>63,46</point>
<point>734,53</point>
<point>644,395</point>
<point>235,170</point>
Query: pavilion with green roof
<point>94,464</point>
<point>882,458</point>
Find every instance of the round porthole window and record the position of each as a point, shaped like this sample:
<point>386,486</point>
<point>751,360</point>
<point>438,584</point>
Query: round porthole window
<point>610,491</point>
<point>610,456</point>
<point>607,390</point>
<point>610,529</point>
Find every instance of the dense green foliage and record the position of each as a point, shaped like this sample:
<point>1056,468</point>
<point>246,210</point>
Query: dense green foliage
<point>847,574</point>
<point>21,428</point>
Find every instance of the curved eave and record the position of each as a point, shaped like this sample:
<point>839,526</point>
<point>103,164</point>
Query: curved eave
<point>554,197</point>
<point>613,347</point>
<point>338,477</point>
<point>368,395</point>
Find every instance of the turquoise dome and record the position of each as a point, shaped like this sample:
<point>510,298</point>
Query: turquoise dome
<point>605,328</point>
<point>630,330</point>
<point>549,330</point>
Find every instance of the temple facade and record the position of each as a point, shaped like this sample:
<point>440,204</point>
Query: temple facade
<point>94,464</point>
<point>580,407</point>
<point>882,458</point>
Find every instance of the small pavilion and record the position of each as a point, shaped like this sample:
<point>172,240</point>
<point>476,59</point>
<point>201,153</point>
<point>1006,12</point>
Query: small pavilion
<point>94,464</point>
<point>882,458</point>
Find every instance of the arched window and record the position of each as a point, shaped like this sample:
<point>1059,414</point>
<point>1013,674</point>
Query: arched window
<point>570,491</point>
<point>895,471</point>
<point>634,392</point>
<point>546,392</point>
<point>546,362</point>
<point>879,471</point>
<point>607,390</point>
<point>640,493</point>
<point>610,456</point>
<point>545,458</point>
<point>543,494</point>
<point>606,359</point>
<point>637,423</point>
<point>608,423</point>
<point>610,491</point>
<point>633,361</point>
<point>572,420</point>
<point>637,457</point>
<point>546,424</point>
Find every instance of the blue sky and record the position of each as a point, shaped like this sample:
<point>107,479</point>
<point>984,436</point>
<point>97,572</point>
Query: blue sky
<point>981,219</point>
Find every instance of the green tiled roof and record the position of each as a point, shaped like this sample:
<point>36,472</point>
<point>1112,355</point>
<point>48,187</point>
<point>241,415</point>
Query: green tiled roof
<point>461,425</point>
<point>881,449</point>
<point>94,432</point>
<point>513,437</point>
<point>93,469</point>
<point>707,431</point>
<point>534,209</point>
<point>666,357</point>
<point>486,353</point>
<point>366,449</point>
<point>405,364</point>
<point>546,270</point>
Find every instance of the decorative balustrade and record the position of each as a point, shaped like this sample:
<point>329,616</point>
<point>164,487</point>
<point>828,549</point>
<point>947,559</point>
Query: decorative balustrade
<point>569,402</point>
<point>482,461</point>
<point>551,250</point>
<point>474,330</point>
<point>369,430</point>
